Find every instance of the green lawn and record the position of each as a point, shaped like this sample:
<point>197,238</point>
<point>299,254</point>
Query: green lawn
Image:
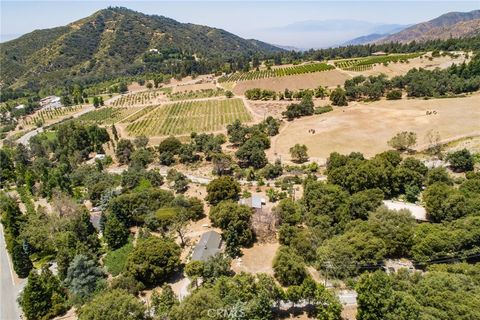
<point>115,260</point>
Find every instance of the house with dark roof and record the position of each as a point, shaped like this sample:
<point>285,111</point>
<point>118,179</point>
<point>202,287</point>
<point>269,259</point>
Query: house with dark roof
<point>209,245</point>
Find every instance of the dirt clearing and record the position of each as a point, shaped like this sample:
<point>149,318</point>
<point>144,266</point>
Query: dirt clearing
<point>257,259</point>
<point>366,127</point>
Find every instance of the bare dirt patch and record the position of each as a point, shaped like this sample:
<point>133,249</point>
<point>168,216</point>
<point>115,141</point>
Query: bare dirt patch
<point>257,259</point>
<point>330,78</point>
<point>194,87</point>
<point>263,109</point>
<point>366,127</point>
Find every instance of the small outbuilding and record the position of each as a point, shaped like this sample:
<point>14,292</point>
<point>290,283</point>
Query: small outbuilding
<point>210,244</point>
<point>418,212</point>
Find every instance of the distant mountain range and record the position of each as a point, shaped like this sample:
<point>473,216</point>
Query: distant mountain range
<point>449,25</point>
<point>112,42</point>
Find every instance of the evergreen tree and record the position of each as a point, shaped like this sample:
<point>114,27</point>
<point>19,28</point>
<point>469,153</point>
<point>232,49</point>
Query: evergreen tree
<point>115,232</point>
<point>21,261</point>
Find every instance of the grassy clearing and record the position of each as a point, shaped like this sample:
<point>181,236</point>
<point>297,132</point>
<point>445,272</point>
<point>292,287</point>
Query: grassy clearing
<point>116,260</point>
<point>277,72</point>
<point>190,116</point>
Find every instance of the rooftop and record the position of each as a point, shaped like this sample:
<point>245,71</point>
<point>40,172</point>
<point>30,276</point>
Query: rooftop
<point>418,212</point>
<point>209,245</point>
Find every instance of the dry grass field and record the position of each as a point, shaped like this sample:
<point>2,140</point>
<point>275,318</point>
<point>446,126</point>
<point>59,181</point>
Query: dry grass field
<point>330,78</point>
<point>366,127</point>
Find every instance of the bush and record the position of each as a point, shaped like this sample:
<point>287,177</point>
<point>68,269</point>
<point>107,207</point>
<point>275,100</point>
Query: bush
<point>394,95</point>
<point>320,110</point>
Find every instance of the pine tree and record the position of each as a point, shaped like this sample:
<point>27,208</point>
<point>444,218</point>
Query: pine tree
<point>21,261</point>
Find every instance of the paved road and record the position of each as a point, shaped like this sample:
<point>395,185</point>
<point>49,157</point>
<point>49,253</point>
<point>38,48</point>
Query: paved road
<point>27,136</point>
<point>9,309</point>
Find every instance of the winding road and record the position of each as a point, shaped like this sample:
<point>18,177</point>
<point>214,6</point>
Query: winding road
<point>27,136</point>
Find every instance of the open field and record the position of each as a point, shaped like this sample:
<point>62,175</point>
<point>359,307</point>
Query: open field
<point>187,116</point>
<point>193,87</point>
<point>276,72</point>
<point>330,78</point>
<point>366,127</point>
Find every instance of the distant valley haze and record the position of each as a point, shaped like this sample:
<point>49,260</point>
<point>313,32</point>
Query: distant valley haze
<point>291,24</point>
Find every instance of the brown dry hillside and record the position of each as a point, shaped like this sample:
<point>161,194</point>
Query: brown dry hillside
<point>449,25</point>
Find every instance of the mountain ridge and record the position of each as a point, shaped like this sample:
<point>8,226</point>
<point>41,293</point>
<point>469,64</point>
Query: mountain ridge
<point>448,25</point>
<point>115,42</point>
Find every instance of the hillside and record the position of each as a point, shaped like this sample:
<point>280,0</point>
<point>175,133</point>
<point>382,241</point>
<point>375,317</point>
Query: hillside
<point>449,25</point>
<point>116,41</point>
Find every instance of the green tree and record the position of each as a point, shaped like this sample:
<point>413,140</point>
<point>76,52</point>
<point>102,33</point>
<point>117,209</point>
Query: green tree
<point>153,260</point>
<point>21,261</point>
<point>374,291</point>
<point>115,232</point>
<point>43,296</point>
<point>461,160</point>
<point>7,172</point>
<point>338,97</point>
<point>83,277</point>
<point>289,268</point>
<point>164,302</point>
<point>222,188</point>
<point>124,151</point>
<point>194,270</point>
<point>299,153</point>
<point>113,305</point>
<point>170,144</point>
<point>403,141</point>
<point>234,220</point>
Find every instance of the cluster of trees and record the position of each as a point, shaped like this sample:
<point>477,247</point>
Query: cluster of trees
<point>340,227</point>
<point>250,297</point>
<point>444,292</point>
<point>297,110</point>
<point>456,79</point>
<point>252,141</point>
<point>265,94</point>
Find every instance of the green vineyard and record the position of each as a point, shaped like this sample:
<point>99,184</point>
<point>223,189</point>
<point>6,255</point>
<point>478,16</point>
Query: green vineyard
<point>362,64</point>
<point>49,114</point>
<point>277,72</point>
<point>190,116</point>
<point>145,97</point>
<point>108,115</point>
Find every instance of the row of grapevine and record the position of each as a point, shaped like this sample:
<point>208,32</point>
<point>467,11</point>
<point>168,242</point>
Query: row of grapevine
<point>362,64</point>
<point>140,98</point>
<point>187,116</point>
<point>50,114</point>
<point>197,94</point>
<point>277,72</point>
<point>107,115</point>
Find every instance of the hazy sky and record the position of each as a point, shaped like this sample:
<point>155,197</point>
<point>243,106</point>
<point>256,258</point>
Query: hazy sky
<point>250,19</point>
